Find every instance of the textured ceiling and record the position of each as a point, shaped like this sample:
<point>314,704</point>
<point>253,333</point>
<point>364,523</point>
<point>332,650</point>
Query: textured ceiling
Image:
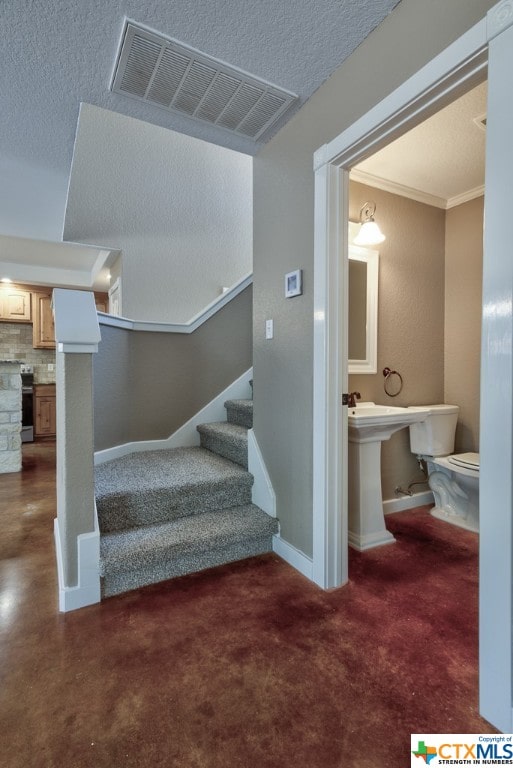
<point>443,158</point>
<point>55,54</point>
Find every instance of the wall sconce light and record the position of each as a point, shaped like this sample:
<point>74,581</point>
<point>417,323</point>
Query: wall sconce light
<point>370,233</point>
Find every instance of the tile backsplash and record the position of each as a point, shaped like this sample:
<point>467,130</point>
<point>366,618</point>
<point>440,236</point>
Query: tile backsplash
<point>16,344</point>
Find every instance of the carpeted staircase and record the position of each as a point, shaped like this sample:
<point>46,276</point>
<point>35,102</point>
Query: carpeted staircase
<point>166,513</point>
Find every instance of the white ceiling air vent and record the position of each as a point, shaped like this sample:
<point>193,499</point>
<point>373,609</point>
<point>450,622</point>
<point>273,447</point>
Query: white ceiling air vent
<point>171,75</point>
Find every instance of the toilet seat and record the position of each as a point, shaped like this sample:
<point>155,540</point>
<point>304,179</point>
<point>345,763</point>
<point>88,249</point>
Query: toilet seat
<point>467,460</point>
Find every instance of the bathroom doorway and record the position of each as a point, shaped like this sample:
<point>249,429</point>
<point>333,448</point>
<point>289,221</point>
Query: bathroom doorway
<point>455,71</point>
<point>428,188</point>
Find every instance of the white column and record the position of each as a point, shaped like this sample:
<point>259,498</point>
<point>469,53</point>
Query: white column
<point>365,505</point>
<point>77,537</point>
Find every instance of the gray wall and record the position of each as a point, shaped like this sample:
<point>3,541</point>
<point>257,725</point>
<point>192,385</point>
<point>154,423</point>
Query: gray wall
<point>283,236</point>
<point>146,385</point>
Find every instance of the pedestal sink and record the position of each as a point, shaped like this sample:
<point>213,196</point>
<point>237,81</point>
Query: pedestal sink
<point>368,425</point>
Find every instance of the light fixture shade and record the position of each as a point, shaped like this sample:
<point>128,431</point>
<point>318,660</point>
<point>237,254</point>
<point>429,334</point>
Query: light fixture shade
<point>369,234</point>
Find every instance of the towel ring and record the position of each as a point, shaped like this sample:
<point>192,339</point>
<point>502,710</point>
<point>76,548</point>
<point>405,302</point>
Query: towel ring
<point>393,383</point>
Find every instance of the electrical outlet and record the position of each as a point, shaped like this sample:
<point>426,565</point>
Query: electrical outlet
<point>51,367</point>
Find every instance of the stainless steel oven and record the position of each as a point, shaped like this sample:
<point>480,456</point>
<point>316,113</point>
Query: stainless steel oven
<point>27,404</point>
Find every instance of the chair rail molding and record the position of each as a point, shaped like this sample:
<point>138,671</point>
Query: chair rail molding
<point>189,327</point>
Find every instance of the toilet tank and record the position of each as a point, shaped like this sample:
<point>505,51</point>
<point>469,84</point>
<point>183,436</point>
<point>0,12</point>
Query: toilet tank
<point>435,435</point>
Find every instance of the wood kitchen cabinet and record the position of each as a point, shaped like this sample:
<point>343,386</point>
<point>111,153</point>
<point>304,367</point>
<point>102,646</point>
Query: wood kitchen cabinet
<point>44,410</point>
<point>33,304</point>
<point>42,316</point>
<point>15,305</point>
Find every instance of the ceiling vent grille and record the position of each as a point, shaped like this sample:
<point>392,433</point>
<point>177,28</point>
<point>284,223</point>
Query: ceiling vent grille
<point>171,75</point>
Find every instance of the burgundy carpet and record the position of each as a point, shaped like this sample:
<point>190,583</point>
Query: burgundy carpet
<point>250,664</point>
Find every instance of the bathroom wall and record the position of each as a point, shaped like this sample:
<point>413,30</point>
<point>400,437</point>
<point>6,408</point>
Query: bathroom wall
<point>410,316</point>
<point>463,308</point>
<point>430,285</point>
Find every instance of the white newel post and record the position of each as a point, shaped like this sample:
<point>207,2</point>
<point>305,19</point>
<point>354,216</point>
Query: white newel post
<point>77,541</point>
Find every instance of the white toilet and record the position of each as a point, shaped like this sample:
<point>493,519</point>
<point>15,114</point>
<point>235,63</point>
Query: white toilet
<point>454,479</point>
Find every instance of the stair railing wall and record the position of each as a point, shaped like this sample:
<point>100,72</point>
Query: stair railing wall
<point>148,383</point>
<point>144,384</point>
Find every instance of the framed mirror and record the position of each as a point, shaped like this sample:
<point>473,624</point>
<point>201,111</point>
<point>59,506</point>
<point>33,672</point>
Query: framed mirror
<point>363,306</point>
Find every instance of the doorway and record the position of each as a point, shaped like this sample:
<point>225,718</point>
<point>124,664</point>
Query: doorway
<point>456,70</point>
<point>427,187</point>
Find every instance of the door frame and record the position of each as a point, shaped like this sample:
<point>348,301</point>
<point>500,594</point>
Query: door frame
<point>458,68</point>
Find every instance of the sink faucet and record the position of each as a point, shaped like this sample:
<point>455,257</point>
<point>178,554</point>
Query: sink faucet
<point>353,397</point>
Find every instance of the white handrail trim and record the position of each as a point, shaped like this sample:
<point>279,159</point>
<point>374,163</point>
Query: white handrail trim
<point>194,323</point>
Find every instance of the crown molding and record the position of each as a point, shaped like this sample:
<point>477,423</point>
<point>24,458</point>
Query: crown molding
<point>415,194</point>
<point>397,189</point>
<point>471,194</point>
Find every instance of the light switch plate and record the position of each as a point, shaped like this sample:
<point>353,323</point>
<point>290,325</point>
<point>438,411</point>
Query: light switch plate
<point>269,329</point>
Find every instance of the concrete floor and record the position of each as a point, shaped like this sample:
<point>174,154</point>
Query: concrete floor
<point>244,665</point>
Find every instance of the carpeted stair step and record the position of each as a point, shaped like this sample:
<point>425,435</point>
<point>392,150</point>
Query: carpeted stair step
<point>132,559</point>
<point>153,487</point>
<point>226,439</point>
<point>240,412</point>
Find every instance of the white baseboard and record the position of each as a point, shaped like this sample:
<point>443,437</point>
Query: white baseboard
<point>369,541</point>
<point>87,592</point>
<point>407,502</point>
<point>187,435</point>
<point>262,493</point>
<point>293,556</point>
